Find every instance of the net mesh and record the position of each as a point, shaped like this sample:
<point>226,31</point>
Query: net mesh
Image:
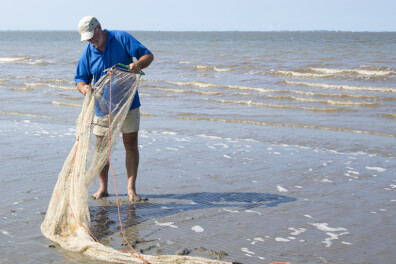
<point>67,220</point>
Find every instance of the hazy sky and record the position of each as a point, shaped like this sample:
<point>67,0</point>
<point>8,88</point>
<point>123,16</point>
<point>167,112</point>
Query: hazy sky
<point>202,15</point>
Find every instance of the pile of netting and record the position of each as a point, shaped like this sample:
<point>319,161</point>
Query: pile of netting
<point>67,220</point>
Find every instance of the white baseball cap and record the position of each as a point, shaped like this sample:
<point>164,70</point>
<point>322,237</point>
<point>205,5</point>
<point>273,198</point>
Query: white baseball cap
<point>87,26</point>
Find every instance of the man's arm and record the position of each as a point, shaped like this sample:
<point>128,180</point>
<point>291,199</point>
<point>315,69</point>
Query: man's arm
<point>142,63</point>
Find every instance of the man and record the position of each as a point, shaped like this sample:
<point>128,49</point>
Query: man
<point>106,49</point>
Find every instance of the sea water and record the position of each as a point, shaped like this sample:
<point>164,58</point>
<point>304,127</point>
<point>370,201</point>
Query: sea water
<point>268,146</point>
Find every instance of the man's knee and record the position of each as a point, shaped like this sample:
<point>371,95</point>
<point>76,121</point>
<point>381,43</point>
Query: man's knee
<point>130,140</point>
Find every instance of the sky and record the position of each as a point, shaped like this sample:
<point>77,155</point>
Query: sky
<point>202,15</point>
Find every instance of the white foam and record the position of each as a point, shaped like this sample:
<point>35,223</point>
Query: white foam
<point>324,227</point>
<point>230,211</point>
<point>281,189</point>
<point>328,241</point>
<point>252,211</point>
<point>349,174</point>
<point>297,231</point>
<point>168,133</point>
<point>6,233</point>
<point>246,250</point>
<point>174,149</point>
<point>378,169</point>
<point>281,239</point>
<point>197,229</point>
<point>169,224</point>
<point>308,216</point>
<point>326,180</point>
<point>10,59</point>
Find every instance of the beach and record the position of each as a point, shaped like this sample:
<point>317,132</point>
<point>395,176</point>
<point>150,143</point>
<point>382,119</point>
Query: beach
<point>255,147</point>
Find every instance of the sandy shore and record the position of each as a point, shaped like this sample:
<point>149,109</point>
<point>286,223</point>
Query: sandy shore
<point>221,198</point>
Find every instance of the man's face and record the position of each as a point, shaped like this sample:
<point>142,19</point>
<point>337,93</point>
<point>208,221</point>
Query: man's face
<point>98,39</point>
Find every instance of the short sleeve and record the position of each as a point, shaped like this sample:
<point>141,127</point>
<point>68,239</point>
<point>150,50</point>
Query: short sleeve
<point>134,48</point>
<point>83,73</point>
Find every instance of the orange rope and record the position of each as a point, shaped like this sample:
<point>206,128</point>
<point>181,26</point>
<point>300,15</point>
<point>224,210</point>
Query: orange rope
<point>115,185</point>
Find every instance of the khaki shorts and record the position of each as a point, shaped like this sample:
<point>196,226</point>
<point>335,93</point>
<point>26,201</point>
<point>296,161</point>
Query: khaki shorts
<point>130,125</point>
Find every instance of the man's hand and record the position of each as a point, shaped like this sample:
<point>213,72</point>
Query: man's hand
<point>134,67</point>
<point>142,63</point>
<point>83,87</point>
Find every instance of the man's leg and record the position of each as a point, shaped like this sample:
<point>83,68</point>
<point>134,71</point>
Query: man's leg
<point>132,163</point>
<point>103,178</point>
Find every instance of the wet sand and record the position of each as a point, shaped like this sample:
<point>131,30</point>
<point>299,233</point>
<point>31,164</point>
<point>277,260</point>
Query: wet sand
<point>228,198</point>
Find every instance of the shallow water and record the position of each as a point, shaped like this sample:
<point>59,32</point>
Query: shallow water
<point>268,146</point>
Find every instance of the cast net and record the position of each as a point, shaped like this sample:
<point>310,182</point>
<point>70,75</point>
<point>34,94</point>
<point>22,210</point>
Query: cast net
<point>67,220</point>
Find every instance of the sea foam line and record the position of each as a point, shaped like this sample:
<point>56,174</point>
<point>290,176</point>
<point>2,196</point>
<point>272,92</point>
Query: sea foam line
<point>255,103</point>
<point>262,123</point>
<point>214,85</point>
<point>341,86</point>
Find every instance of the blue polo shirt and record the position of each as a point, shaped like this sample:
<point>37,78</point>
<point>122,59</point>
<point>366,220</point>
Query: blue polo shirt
<point>121,47</point>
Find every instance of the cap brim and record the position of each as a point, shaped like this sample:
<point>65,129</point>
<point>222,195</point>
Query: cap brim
<point>86,36</point>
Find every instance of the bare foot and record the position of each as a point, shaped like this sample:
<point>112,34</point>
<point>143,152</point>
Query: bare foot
<point>134,198</point>
<point>99,194</point>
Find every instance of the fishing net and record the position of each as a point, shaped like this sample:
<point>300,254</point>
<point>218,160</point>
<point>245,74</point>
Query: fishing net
<point>67,220</point>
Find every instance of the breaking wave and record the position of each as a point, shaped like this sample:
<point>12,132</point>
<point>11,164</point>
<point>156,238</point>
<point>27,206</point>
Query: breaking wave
<point>341,86</point>
<point>209,67</point>
<point>260,104</point>
<point>213,85</point>
<point>364,72</point>
<point>24,60</point>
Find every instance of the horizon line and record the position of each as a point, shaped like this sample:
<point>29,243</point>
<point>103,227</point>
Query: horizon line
<point>202,31</point>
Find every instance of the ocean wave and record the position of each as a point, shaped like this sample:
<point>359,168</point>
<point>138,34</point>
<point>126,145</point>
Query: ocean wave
<point>294,74</point>
<point>323,101</point>
<point>263,123</point>
<point>336,102</point>
<point>388,115</point>
<point>209,67</point>
<point>364,72</point>
<point>66,104</point>
<point>341,86</point>
<point>49,84</point>
<point>186,62</point>
<point>24,60</point>
<point>11,59</point>
<point>260,104</point>
<point>213,85</point>
<point>343,95</point>
<point>24,114</point>
<point>188,91</point>
<point>24,89</point>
